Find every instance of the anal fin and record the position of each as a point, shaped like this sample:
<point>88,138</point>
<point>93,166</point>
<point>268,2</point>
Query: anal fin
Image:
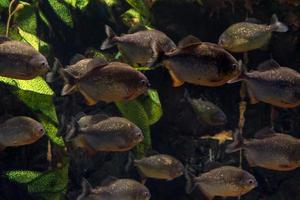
<point>176,81</point>
<point>88,100</point>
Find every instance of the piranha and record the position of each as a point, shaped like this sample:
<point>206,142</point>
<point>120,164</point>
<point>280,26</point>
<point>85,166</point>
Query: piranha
<point>291,2</point>
<point>160,166</point>
<point>206,111</point>
<point>268,149</point>
<point>200,63</point>
<point>273,84</point>
<point>115,189</point>
<point>246,36</point>
<point>142,47</point>
<point>108,134</point>
<point>224,181</point>
<point>98,80</point>
<point>20,60</point>
<point>19,131</point>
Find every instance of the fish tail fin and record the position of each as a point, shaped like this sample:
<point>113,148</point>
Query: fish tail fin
<point>70,80</point>
<point>159,61</point>
<point>53,75</point>
<point>190,180</point>
<point>277,25</point>
<point>242,75</point>
<point>129,162</point>
<point>110,41</point>
<point>71,133</point>
<point>86,189</point>
<point>237,143</point>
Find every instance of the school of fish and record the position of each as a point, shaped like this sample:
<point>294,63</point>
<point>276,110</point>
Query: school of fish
<point>191,61</point>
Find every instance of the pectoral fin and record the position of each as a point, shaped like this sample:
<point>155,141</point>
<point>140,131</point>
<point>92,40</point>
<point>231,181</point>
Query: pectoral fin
<point>88,100</point>
<point>176,81</point>
<point>251,95</point>
<point>2,147</point>
<point>142,176</point>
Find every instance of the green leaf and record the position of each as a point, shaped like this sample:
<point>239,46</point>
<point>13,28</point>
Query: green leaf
<point>53,181</point>
<point>62,11</point>
<point>20,176</point>
<point>37,85</point>
<point>135,112</point>
<point>37,95</point>
<point>141,8</point>
<point>81,4</point>
<point>44,18</point>
<point>111,2</point>
<point>4,3</point>
<point>132,17</point>
<point>49,185</point>
<point>34,41</point>
<point>152,106</point>
<point>26,19</point>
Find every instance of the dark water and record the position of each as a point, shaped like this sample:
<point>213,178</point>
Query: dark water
<point>178,132</point>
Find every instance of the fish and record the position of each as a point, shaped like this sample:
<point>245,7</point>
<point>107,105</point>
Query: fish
<point>272,84</point>
<point>200,63</point>
<point>99,80</point>
<point>221,137</point>
<point>142,47</point>
<point>19,60</point>
<point>224,181</point>
<point>291,2</point>
<point>206,111</point>
<point>269,149</point>
<point>115,189</point>
<point>105,134</point>
<point>160,166</point>
<point>246,36</point>
<point>19,131</point>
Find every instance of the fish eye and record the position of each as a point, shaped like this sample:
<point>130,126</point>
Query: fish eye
<point>41,130</point>
<point>147,194</point>
<point>139,134</point>
<point>251,181</point>
<point>145,83</point>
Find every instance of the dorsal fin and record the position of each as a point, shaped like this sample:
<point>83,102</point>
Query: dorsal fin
<point>4,39</point>
<point>96,62</point>
<point>210,165</point>
<point>89,120</point>
<point>188,41</point>
<point>252,20</point>
<point>268,65</point>
<point>108,181</point>
<point>264,133</point>
<point>151,152</point>
<point>137,28</point>
<point>86,189</point>
<point>76,58</point>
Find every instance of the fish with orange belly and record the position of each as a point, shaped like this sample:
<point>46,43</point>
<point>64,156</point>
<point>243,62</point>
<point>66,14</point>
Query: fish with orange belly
<point>273,84</point>
<point>19,60</point>
<point>270,150</point>
<point>224,181</point>
<point>99,80</point>
<point>200,63</point>
<point>19,131</point>
<point>105,134</point>
<point>115,189</point>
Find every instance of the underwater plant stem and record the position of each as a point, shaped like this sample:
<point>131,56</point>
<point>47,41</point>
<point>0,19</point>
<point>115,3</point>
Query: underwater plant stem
<point>49,154</point>
<point>242,109</point>
<point>10,14</point>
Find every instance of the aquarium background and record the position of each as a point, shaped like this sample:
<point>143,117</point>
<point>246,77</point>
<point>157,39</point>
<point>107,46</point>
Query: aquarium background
<point>62,28</point>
